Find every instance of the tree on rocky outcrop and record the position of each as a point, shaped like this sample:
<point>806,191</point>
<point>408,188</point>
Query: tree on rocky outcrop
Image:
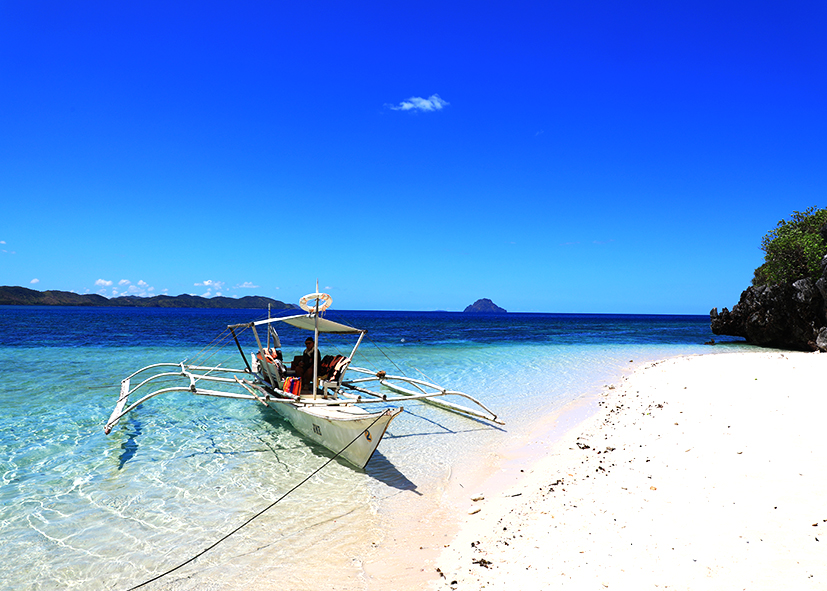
<point>794,249</point>
<point>785,306</point>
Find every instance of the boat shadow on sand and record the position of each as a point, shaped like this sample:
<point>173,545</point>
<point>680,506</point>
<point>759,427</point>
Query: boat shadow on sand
<point>379,467</point>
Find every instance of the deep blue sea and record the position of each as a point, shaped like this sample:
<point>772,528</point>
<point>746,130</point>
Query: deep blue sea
<point>83,510</point>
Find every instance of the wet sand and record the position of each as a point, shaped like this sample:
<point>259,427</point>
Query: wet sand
<point>704,472</point>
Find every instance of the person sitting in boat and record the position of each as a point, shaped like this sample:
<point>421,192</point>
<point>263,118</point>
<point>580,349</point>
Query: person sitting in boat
<point>274,357</point>
<point>303,364</point>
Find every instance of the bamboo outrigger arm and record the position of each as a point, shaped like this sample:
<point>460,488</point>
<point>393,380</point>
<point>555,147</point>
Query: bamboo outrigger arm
<point>185,371</point>
<point>385,380</point>
<point>347,388</point>
<point>120,411</point>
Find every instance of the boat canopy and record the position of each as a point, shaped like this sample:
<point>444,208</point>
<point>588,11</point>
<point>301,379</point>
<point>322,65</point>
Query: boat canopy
<point>308,322</point>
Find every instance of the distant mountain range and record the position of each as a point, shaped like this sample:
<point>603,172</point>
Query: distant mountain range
<point>485,306</point>
<point>22,296</point>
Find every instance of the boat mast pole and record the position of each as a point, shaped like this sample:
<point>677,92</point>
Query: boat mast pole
<point>240,350</point>
<point>268,326</point>
<point>316,344</point>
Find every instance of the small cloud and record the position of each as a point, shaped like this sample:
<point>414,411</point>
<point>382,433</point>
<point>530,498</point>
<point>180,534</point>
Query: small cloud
<point>211,284</point>
<point>140,289</point>
<point>416,103</point>
<point>35,280</point>
<point>103,282</point>
<point>247,285</point>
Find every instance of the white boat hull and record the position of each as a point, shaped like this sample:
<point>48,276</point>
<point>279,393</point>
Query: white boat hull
<point>346,429</point>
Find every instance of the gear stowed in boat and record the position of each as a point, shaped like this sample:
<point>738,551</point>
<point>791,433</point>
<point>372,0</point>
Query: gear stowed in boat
<point>330,411</point>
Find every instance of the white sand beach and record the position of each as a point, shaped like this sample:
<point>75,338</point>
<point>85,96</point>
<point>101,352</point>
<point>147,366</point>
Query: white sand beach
<point>705,472</point>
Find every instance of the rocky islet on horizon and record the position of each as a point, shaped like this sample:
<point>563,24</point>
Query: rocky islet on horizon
<point>485,306</point>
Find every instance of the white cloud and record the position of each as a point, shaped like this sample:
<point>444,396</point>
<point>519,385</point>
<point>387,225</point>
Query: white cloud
<point>35,280</point>
<point>2,241</point>
<point>211,284</point>
<point>416,103</point>
<point>140,289</point>
<point>247,285</point>
<point>103,282</point>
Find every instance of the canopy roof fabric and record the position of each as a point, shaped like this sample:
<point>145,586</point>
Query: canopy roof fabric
<point>308,322</point>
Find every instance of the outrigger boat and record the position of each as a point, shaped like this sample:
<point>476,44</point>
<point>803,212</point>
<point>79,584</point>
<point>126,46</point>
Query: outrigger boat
<point>330,412</point>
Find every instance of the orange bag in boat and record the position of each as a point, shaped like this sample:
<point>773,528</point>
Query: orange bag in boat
<point>293,386</point>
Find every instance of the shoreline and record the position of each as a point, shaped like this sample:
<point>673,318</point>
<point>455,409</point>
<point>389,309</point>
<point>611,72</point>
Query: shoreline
<point>695,472</point>
<point>417,535</point>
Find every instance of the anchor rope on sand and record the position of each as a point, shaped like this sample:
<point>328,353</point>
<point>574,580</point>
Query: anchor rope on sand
<point>257,515</point>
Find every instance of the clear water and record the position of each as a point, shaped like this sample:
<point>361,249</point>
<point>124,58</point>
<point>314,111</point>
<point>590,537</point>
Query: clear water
<point>82,510</point>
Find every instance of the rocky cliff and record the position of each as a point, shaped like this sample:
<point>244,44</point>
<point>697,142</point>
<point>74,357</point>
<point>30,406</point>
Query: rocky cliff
<point>788,316</point>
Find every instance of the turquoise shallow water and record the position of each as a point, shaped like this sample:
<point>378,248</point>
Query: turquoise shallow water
<point>82,510</point>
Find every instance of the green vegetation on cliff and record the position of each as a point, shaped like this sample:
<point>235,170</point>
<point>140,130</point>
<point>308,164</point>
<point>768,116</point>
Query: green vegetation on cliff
<point>794,249</point>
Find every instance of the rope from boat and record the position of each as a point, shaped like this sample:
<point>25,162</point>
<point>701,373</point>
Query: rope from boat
<point>259,514</point>
<point>212,348</point>
<point>392,362</point>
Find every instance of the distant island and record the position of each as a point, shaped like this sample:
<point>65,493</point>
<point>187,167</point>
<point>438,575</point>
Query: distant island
<point>485,306</point>
<point>22,296</point>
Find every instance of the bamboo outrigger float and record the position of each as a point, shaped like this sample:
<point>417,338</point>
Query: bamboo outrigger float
<point>331,412</point>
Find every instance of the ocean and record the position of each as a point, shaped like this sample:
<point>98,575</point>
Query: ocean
<point>83,510</point>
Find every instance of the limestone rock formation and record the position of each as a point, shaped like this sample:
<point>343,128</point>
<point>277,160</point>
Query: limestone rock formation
<point>788,316</point>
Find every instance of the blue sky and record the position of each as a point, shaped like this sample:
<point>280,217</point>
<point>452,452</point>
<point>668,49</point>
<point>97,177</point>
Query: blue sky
<point>551,156</point>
